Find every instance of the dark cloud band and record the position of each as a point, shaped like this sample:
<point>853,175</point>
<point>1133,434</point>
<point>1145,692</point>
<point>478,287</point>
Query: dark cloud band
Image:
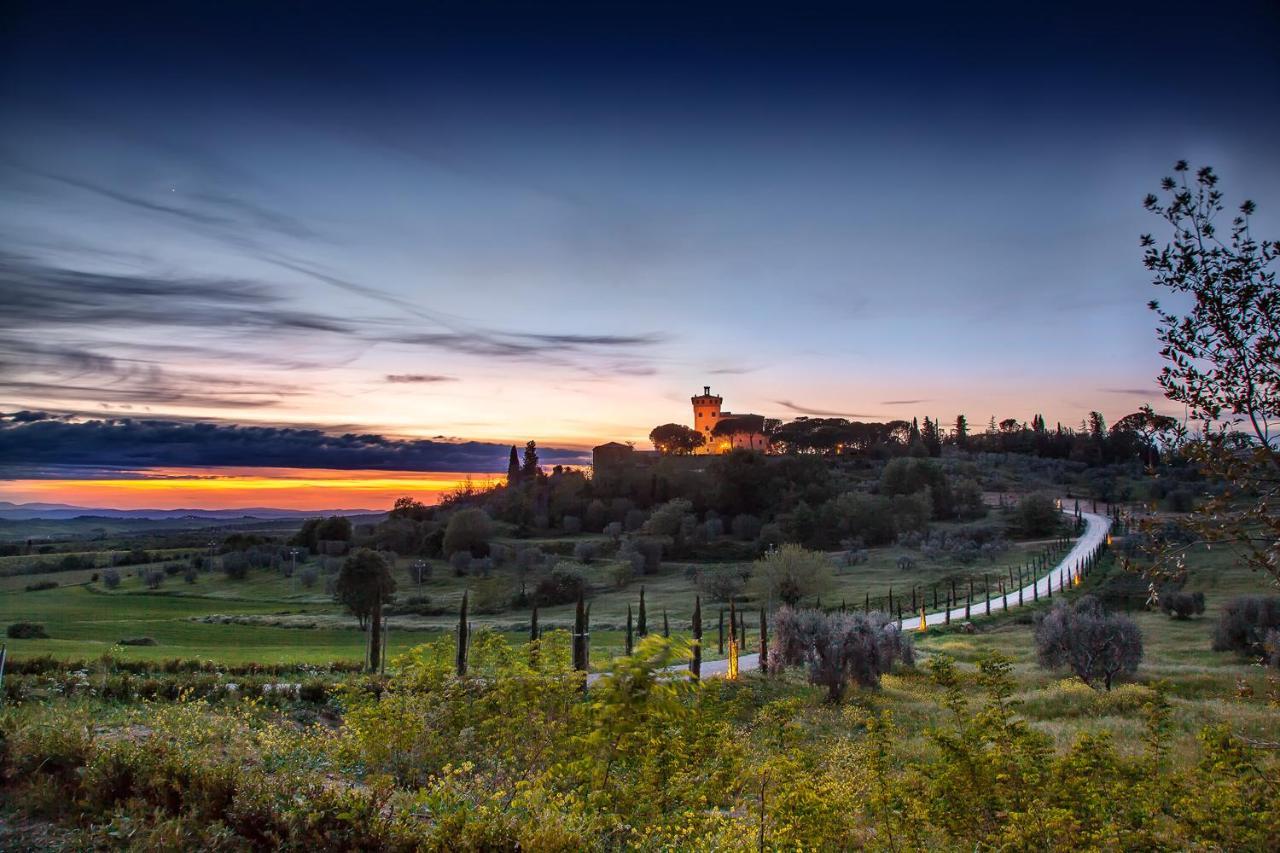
<point>36,439</point>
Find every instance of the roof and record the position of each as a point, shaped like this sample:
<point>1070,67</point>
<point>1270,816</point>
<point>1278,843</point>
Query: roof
<point>611,445</point>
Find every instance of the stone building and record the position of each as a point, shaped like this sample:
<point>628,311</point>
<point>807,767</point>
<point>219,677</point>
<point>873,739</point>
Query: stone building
<point>723,431</point>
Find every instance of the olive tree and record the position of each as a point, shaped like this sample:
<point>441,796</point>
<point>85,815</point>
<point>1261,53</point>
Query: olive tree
<point>364,585</point>
<point>468,530</point>
<point>836,648</point>
<point>790,573</point>
<point>1095,645</point>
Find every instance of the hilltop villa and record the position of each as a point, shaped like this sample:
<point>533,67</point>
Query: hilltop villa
<point>723,431</point>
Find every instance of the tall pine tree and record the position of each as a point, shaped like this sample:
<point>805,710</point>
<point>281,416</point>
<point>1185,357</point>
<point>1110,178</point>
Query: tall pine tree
<point>530,470</point>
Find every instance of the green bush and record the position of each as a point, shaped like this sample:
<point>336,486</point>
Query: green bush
<point>41,585</point>
<point>26,631</point>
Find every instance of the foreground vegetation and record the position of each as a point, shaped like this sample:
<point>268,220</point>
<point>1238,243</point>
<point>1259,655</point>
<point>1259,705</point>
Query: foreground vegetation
<point>975,745</point>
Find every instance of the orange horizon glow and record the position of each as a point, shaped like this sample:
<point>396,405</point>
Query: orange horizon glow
<point>233,488</point>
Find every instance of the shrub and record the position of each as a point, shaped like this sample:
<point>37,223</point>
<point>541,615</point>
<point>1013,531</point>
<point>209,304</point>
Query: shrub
<point>41,585</point>
<point>613,530</point>
<point>110,578</point>
<point>1244,624</point>
<point>572,525</point>
<point>235,565</point>
<point>137,641</point>
<point>623,571</point>
<point>596,516</point>
<point>721,583</point>
<point>585,552</point>
<point>190,574</point>
<point>1037,515</point>
<point>26,631</point>
<point>1095,645</point>
<point>649,551</point>
<point>468,530</point>
<point>561,586</point>
<point>789,574</point>
<point>461,563</point>
<point>172,569</point>
<point>153,578</point>
<point>745,527</point>
<point>1182,605</point>
<point>837,647</point>
<point>308,577</point>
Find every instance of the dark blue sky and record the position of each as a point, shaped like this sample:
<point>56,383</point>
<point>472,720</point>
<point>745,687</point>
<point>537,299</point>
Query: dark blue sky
<point>507,221</point>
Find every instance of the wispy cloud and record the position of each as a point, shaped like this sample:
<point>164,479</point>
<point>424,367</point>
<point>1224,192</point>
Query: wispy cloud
<point>417,378</point>
<point>903,402</point>
<point>117,336</point>
<point>1133,392</point>
<point>820,413</point>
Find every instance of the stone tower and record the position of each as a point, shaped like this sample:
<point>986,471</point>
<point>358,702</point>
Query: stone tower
<point>706,413</point>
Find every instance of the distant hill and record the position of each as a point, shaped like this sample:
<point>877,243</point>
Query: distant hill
<point>56,512</point>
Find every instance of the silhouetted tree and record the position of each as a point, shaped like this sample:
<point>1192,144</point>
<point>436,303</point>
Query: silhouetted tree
<point>364,585</point>
<point>530,470</point>
<point>513,468</point>
<point>676,439</point>
<point>1223,355</point>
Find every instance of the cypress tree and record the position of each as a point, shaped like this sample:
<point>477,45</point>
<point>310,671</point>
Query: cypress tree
<point>461,662</point>
<point>629,640</point>
<point>513,468</point>
<point>721,637</point>
<point>986,588</point>
<point>764,641</point>
<point>666,626</point>
<point>733,623</point>
<point>642,621</point>
<point>1004,597</point>
<point>914,608</point>
<point>579,634</point>
<point>948,609</point>
<point>866,605</point>
<point>533,636</point>
<point>695,665</point>
<point>889,611</point>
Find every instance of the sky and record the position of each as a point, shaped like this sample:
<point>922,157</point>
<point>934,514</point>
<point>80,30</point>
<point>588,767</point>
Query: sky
<point>355,237</point>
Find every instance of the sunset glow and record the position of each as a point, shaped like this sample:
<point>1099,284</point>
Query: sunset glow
<point>211,488</point>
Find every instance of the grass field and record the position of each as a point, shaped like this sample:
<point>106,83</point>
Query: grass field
<point>269,618</point>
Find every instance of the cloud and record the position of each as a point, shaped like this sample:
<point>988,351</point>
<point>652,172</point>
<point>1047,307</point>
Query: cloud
<point>903,402</point>
<point>1133,392</point>
<point>30,442</point>
<point>821,413</point>
<point>415,378</point>
<point>69,334</point>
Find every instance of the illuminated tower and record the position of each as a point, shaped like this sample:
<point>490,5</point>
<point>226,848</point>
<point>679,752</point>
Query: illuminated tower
<point>706,414</point>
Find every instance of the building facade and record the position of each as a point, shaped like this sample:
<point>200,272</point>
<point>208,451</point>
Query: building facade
<point>723,431</point>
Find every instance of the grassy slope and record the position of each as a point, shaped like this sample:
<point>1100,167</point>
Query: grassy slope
<point>84,620</point>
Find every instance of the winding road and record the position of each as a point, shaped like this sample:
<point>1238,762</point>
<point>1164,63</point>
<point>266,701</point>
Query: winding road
<point>1095,533</point>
